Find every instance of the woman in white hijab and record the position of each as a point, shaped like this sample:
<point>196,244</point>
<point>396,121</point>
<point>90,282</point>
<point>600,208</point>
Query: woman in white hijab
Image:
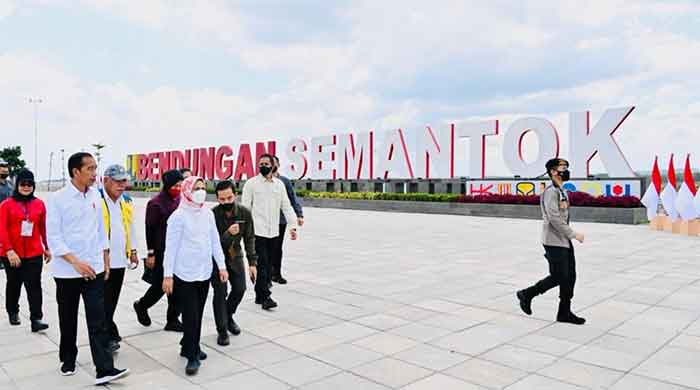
<point>191,241</point>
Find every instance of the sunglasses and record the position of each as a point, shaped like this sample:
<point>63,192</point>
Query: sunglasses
<point>26,184</point>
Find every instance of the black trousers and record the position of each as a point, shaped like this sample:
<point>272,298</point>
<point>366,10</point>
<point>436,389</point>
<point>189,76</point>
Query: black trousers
<point>113,289</point>
<point>277,252</point>
<point>155,293</point>
<point>191,296</point>
<point>225,304</point>
<point>264,247</point>
<point>29,275</point>
<point>562,272</point>
<point>68,293</point>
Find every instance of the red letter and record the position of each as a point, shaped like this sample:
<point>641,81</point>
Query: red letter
<point>206,163</point>
<point>188,159</point>
<point>195,162</point>
<point>143,168</point>
<point>244,164</point>
<point>224,168</point>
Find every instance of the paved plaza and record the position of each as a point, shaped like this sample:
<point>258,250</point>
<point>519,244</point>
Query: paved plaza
<point>417,302</point>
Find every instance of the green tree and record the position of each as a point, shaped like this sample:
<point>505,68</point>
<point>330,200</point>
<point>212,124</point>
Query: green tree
<point>13,157</point>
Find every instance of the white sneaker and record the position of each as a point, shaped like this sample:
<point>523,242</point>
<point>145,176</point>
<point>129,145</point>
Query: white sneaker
<point>111,376</point>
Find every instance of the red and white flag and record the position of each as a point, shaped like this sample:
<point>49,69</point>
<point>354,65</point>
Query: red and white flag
<point>684,201</point>
<point>696,202</point>
<point>669,194</point>
<point>650,200</point>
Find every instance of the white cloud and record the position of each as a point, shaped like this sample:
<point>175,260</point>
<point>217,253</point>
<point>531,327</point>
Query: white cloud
<point>7,8</point>
<point>349,81</point>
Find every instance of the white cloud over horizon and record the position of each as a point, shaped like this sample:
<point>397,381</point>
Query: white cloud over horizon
<point>182,74</point>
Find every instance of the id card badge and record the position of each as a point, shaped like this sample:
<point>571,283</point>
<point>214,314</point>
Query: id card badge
<point>27,228</point>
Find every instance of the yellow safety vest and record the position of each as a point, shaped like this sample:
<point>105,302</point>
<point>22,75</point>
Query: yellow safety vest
<point>127,208</point>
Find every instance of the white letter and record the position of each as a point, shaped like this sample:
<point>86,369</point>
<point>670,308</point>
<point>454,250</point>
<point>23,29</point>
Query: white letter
<point>296,155</point>
<point>323,161</point>
<point>356,156</point>
<point>513,144</point>
<point>435,153</point>
<point>586,142</point>
<point>477,131</point>
<point>394,160</point>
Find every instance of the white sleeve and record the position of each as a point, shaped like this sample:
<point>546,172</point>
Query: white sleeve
<point>54,232</point>
<point>287,208</point>
<point>247,197</point>
<point>173,238</point>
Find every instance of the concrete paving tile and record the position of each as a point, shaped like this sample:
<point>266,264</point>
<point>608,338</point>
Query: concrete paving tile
<point>391,372</point>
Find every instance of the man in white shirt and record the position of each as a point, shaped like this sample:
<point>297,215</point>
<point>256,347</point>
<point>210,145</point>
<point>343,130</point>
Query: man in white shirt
<point>264,195</point>
<point>118,214</point>
<point>75,233</point>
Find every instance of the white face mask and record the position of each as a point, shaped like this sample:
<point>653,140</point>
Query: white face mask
<point>199,196</point>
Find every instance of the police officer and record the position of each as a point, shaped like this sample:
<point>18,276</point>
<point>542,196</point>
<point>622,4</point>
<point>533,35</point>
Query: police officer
<point>559,251</point>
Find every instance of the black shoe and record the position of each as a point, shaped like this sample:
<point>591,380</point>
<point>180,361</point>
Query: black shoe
<point>142,314</point>
<point>269,304</point>
<point>571,318</point>
<point>233,327</point>
<point>113,346</point>
<point>202,356</point>
<point>68,369</point>
<point>14,319</point>
<point>525,302</point>
<point>192,367</point>
<point>565,315</point>
<point>175,326</point>
<point>38,326</point>
<point>223,339</point>
<point>111,376</point>
<point>279,280</point>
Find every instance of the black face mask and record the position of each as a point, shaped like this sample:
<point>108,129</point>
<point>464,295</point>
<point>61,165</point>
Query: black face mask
<point>265,170</point>
<point>565,175</point>
<point>227,206</point>
<point>4,176</point>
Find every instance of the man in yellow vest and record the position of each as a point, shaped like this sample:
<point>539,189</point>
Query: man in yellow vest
<point>118,213</point>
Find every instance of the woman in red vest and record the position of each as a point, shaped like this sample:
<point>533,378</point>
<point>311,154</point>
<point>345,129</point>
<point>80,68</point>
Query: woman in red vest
<point>23,248</point>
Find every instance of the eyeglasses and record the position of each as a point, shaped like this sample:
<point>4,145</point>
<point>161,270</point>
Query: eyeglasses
<point>26,184</point>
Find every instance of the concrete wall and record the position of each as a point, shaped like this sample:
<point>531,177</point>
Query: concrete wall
<point>578,214</point>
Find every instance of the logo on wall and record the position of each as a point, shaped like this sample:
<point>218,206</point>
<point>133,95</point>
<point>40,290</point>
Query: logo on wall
<point>525,188</point>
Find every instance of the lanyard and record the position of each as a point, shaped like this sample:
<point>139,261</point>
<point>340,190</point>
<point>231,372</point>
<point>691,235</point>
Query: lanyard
<point>26,211</point>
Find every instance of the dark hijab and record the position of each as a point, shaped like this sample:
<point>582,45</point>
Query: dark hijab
<point>24,175</point>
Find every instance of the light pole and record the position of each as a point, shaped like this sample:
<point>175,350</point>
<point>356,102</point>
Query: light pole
<point>36,102</point>
<point>50,170</point>
<point>98,154</point>
<point>63,167</point>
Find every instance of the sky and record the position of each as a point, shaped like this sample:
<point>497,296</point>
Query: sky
<point>167,74</point>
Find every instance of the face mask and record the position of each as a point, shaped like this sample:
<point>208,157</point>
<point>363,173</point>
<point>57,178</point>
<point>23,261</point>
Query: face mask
<point>199,196</point>
<point>3,176</point>
<point>265,170</point>
<point>227,206</point>
<point>174,192</point>
<point>565,175</point>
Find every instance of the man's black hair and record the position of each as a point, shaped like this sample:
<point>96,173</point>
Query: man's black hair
<point>224,185</point>
<point>77,161</point>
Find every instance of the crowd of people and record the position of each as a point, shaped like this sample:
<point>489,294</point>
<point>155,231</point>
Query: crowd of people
<point>88,237</point>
